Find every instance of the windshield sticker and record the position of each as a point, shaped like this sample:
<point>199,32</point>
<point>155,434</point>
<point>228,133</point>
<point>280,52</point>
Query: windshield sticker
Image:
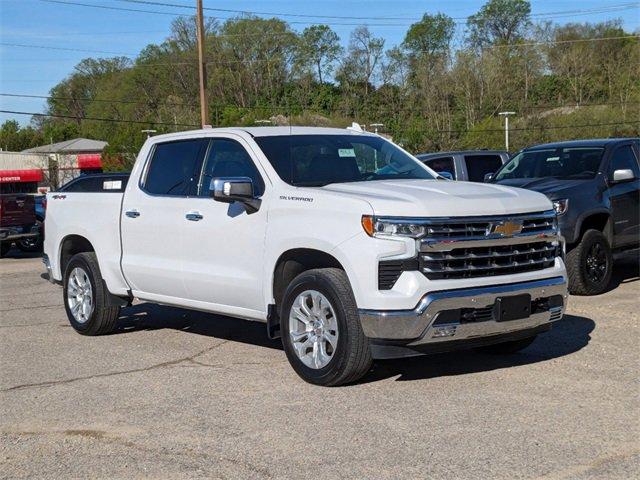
<point>346,152</point>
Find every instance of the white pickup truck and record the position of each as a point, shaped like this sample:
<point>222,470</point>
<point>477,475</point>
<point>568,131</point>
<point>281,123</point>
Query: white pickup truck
<point>341,242</point>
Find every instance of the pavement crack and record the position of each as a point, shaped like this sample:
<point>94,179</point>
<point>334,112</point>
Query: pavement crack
<point>112,374</point>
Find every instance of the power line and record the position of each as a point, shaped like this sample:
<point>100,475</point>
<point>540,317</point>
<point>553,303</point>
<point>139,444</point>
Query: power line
<point>564,13</point>
<point>594,10</point>
<point>222,62</point>
<point>114,120</point>
<point>275,107</point>
<point>97,119</point>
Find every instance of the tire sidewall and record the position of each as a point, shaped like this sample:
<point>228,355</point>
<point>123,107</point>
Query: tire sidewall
<point>590,238</point>
<point>81,262</point>
<point>311,281</point>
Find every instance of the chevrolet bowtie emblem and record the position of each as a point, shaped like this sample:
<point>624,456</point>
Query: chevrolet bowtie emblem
<point>506,228</point>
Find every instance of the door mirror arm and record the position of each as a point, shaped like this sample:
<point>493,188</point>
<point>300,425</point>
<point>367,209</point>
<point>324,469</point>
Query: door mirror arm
<point>235,189</point>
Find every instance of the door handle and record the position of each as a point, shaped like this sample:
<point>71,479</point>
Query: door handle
<point>132,213</point>
<point>194,216</point>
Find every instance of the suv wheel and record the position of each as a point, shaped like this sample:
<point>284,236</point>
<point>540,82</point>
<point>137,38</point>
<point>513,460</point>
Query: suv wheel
<point>85,297</point>
<point>589,264</point>
<point>321,331</point>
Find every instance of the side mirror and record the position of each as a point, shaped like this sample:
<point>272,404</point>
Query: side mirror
<point>623,175</point>
<point>488,177</point>
<point>446,175</point>
<point>234,189</point>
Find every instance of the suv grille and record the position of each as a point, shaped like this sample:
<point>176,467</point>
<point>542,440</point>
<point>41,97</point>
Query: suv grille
<point>487,261</point>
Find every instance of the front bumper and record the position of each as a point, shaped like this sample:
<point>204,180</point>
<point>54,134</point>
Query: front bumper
<point>432,320</point>
<point>8,234</point>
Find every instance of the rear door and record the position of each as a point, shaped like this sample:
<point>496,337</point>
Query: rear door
<point>442,164</point>
<point>223,249</point>
<point>625,196</point>
<point>478,165</point>
<point>153,219</point>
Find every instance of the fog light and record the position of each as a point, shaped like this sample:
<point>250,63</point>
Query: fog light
<point>448,331</point>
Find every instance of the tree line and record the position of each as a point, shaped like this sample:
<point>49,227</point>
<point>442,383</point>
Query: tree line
<point>432,92</point>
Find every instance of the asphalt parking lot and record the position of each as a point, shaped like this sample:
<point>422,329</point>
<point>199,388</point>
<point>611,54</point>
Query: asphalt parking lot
<point>179,394</point>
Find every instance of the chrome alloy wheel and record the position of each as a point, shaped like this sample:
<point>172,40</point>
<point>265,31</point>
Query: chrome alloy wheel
<point>313,328</point>
<point>80,295</point>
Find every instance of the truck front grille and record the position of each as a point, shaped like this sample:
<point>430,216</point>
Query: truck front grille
<point>487,261</point>
<point>460,229</point>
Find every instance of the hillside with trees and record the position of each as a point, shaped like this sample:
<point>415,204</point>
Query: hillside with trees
<point>431,92</point>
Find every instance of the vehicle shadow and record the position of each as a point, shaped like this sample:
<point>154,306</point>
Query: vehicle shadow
<point>149,316</point>
<point>625,270</point>
<point>16,253</point>
<point>567,336</point>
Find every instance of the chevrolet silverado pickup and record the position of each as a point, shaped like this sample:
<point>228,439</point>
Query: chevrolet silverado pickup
<point>18,222</point>
<point>345,245</point>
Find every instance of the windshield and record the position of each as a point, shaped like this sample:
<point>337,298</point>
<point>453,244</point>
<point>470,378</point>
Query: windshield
<point>577,162</point>
<point>317,160</point>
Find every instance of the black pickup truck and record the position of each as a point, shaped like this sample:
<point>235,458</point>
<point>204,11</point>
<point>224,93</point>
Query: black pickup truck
<point>595,189</point>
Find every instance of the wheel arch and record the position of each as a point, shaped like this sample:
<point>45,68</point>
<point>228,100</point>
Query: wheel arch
<point>72,245</point>
<point>597,220</point>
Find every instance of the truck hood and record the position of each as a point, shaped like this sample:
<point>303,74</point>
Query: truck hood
<point>441,198</point>
<point>552,187</point>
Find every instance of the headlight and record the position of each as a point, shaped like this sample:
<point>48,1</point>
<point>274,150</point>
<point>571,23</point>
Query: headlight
<point>561,206</point>
<point>380,227</point>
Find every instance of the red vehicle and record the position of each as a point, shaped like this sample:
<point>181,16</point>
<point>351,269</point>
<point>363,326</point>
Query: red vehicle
<point>18,223</point>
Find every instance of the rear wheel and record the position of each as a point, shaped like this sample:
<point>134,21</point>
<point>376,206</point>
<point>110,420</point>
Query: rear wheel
<point>85,297</point>
<point>590,264</point>
<point>506,348</point>
<point>321,331</point>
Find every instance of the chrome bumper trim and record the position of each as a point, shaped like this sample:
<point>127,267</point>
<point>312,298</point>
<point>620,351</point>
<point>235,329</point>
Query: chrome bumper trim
<point>415,326</point>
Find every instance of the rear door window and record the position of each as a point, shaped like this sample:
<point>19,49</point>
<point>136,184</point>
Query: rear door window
<point>442,164</point>
<point>173,167</point>
<point>479,165</point>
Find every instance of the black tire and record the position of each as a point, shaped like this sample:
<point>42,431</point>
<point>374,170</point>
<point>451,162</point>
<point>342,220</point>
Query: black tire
<point>506,348</point>
<point>30,245</point>
<point>586,275</point>
<point>4,248</point>
<point>352,357</point>
<point>103,318</point>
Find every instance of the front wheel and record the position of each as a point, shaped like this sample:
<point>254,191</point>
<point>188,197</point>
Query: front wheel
<point>590,264</point>
<point>321,331</point>
<point>85,297</point>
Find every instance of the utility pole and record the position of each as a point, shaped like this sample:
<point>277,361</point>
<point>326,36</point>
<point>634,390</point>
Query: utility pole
<point>202,68</point>
<point>506,128</point>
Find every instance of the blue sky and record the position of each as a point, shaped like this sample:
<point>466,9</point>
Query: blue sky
<point>34,71</point>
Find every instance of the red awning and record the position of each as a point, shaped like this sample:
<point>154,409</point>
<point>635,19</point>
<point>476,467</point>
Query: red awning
<point>88,161</point>
<point>10,176</point>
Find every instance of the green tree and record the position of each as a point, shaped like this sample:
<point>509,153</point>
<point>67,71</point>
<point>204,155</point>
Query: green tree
<point>499,22</point>
<point>318,48</point>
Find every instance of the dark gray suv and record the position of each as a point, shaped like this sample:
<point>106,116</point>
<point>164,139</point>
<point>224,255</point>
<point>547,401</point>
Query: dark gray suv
<point>595,189</point>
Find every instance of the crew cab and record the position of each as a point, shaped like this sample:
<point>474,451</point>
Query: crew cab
<point>465,165</point>
<point>345,245</point>
<point>18,223</point>
<point>595,189</point>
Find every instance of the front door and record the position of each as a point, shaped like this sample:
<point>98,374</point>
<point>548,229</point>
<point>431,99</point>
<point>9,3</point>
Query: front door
<point>153,219</point>
<point>625,197</point>
<point>223,243</point>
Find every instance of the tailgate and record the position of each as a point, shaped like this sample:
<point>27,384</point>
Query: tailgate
<point>17,209</point>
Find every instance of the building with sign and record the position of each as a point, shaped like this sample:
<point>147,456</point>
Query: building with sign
<point>49,166</point>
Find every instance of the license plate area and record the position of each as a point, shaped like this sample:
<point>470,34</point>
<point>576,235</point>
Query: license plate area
<point>513,307</point>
